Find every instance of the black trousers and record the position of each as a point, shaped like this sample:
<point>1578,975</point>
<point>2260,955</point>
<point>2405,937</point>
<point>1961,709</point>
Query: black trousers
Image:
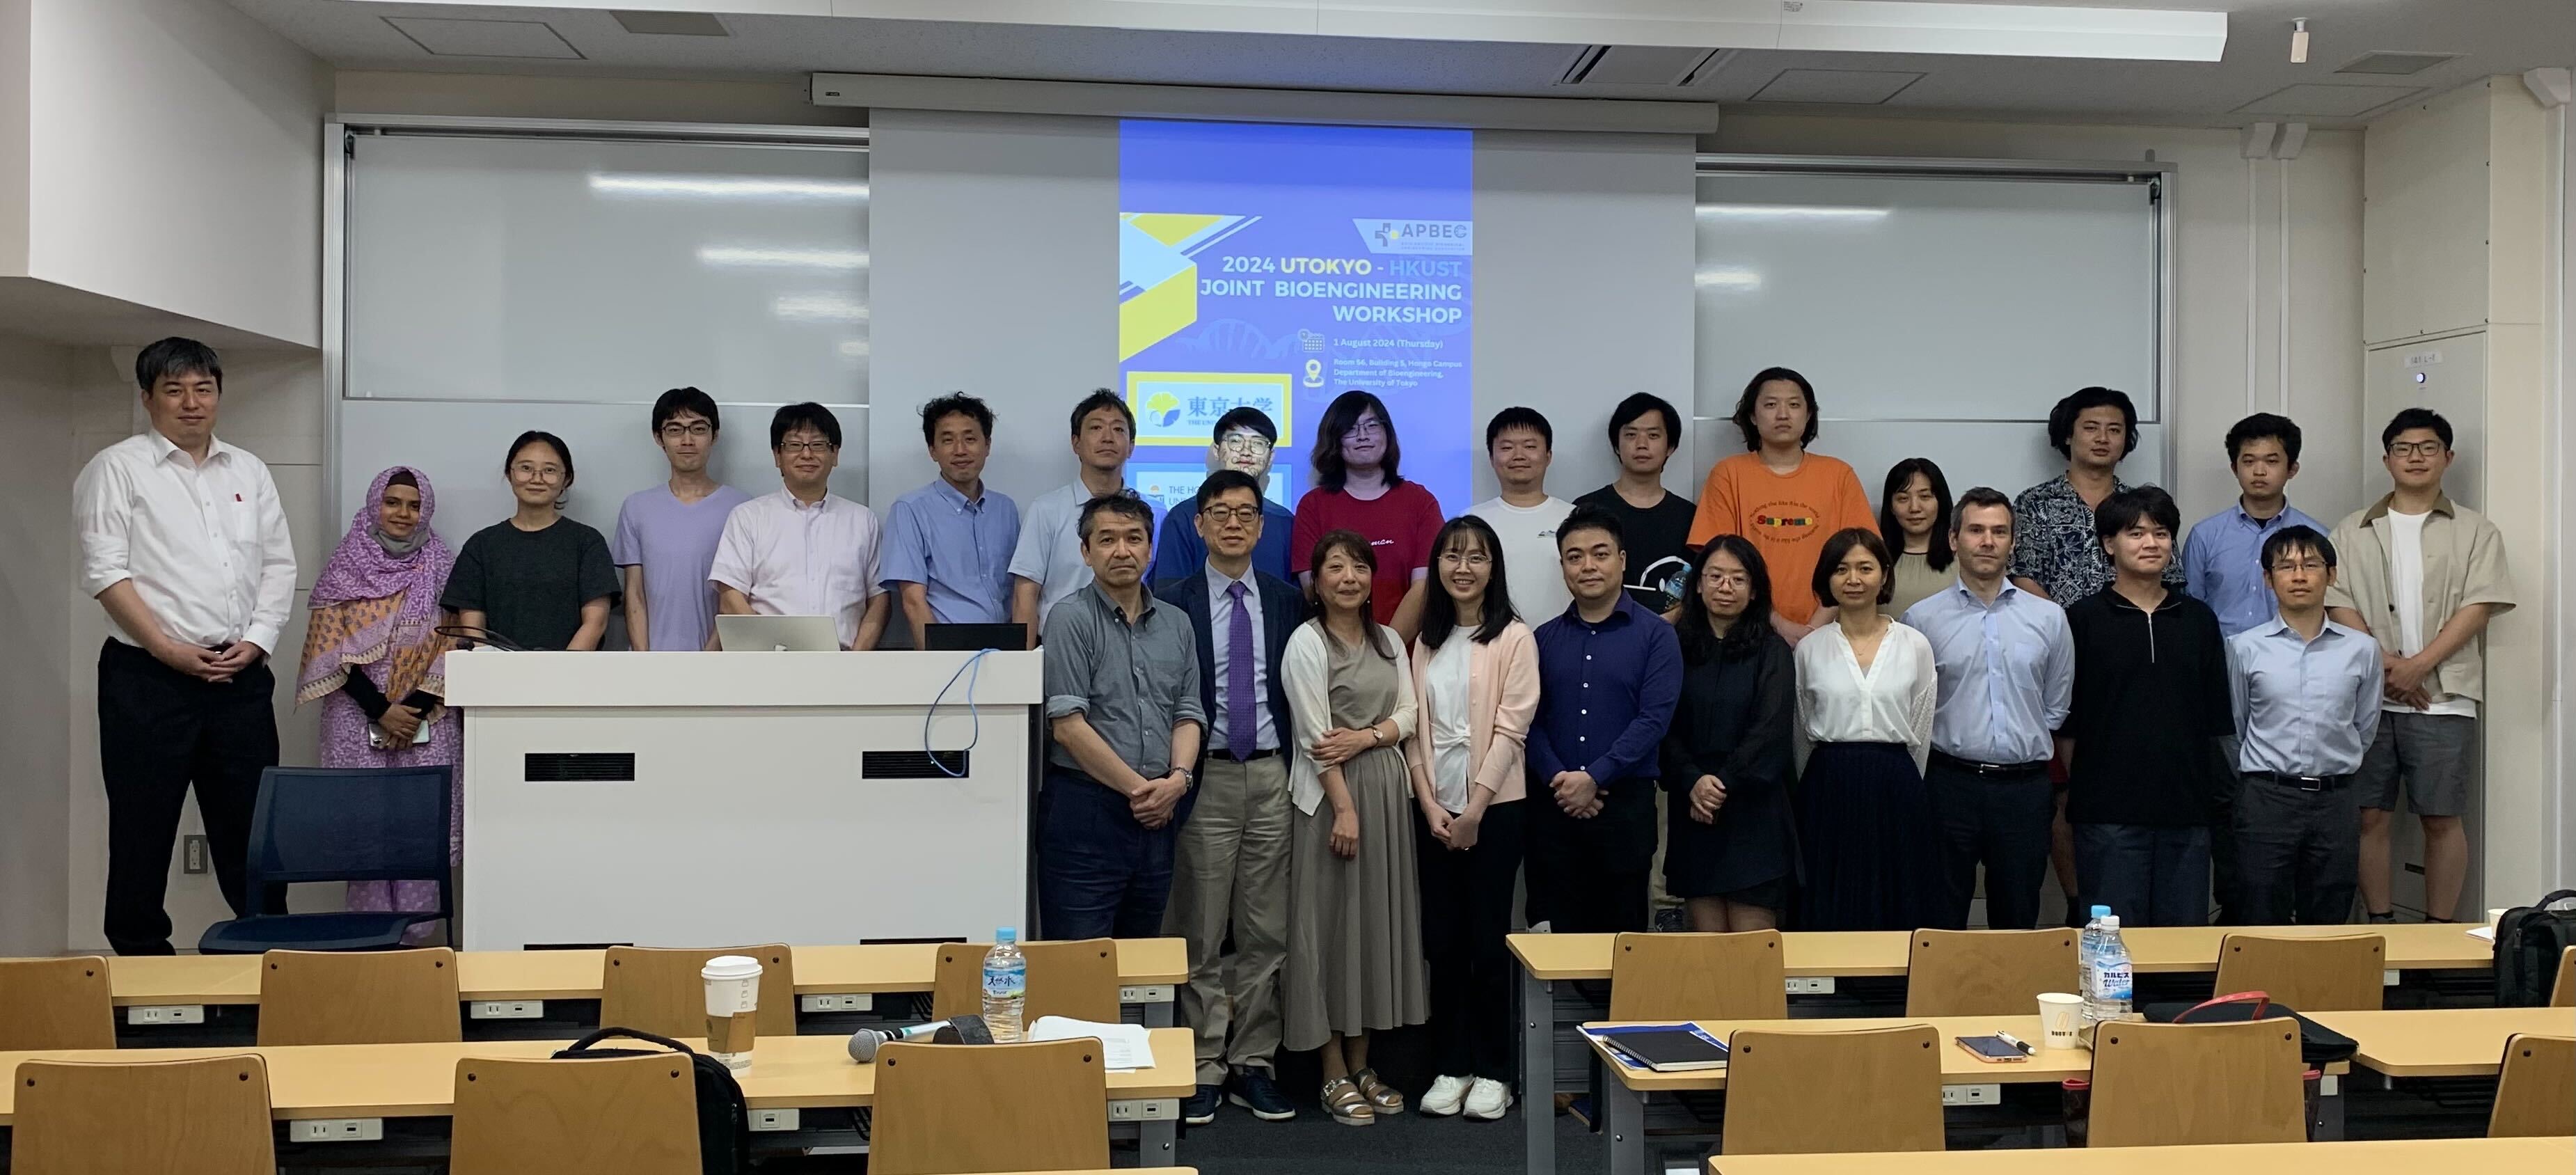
<point>2226,872</point>
<point>1466,912</point>
<point>2298,853</point>
<point>160,732</point>
<point>2000,820</point>
<point>1589,876</point>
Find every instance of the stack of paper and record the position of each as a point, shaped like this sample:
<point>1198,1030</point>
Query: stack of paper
<point>1123,1047</point>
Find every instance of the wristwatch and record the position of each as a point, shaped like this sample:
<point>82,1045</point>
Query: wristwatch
<point>1189,778</point>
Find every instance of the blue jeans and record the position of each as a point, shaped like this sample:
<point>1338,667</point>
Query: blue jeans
<point>1100,873</point>
<point>2150,875</point>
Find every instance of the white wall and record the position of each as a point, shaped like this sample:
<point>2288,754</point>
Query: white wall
<point>35,708</point>
<point>13,138</point>
<point>174,161</point>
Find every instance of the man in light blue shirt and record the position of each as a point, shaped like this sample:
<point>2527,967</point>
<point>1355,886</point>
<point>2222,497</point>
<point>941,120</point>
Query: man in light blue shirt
<point>948,544</point>
<point>2307,704</point>
<point>1047,567</point>
<point>2004,663</point>
<point>2223,567</point>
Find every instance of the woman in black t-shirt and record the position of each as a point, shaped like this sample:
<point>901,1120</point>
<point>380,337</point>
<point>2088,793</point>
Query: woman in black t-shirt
<point>537,579</point>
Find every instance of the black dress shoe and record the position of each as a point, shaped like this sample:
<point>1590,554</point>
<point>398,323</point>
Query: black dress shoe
<point>1199,1108</point>
<point>1253,1090</point>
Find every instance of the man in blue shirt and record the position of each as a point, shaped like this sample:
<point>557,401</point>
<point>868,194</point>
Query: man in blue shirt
<point>2005,665</point>
<point>948,544</point>
<point>1245,440</point>
<point>2223,568</point>
<point>2307,705</point>
<point>1609,674</point>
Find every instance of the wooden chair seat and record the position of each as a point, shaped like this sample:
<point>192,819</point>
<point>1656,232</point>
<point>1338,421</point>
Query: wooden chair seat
<point>1699,977</point>
<point>944,1109</point>
<point>2178,1084</point>
<point>2342,974</point>
<point>585,1116</point>
<point>1987,972</point>
<point>2562,994</point>
<point>359,997</point>
<point>56,1004</point>
<point>659,991</point>
<point>1876,1089</point>
<point>1076,978</point>
<point>208,1117</point>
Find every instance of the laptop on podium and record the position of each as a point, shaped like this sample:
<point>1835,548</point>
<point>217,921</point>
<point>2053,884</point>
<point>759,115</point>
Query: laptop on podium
<point>778,634</point>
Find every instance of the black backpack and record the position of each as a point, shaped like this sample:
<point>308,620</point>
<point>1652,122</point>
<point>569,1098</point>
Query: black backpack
<point>2319,1045</point>
<point>724,1121</point>
<point>2528,943</point>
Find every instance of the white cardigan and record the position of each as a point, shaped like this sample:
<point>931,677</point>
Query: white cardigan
<point>1306,672</point>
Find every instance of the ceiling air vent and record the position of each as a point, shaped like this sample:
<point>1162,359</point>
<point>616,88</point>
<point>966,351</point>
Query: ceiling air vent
<point>1643,65</point>
<point>442,36</point>
<point>2394,64</point>
<point>1847,87</point>
<point>670,24</point>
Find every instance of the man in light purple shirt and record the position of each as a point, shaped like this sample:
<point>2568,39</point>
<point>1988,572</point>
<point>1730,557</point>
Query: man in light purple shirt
<point>804,551</point>
<point>666,536</point>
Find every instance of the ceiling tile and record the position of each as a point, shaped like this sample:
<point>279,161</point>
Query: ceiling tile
<point>2321,100</point>
<point>447,37</point>
<point>1862,87</point>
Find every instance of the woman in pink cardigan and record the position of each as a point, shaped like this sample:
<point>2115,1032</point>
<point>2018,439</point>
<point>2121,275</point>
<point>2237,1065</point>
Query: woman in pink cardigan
<point>1475,673</point>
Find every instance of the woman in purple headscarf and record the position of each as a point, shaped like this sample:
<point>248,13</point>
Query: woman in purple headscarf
<point>374,659</point>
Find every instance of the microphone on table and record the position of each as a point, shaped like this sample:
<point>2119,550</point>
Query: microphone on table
<point>955,1030</point>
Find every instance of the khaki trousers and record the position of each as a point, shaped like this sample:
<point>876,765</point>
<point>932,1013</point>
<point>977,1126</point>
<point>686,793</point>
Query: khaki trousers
<point>1232,864</point>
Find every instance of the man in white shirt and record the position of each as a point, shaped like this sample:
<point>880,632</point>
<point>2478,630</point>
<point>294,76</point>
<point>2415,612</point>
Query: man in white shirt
<point>1047,566</point>
<point>803,551</point>
<point>1520,444</point>
<point>184,542</point>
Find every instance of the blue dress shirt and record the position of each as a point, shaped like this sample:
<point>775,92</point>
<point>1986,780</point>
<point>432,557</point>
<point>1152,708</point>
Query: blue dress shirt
<point>2303,707</point>
<point>958,551</point>
<point>2005,671</point>
<point>1181,552</point>
<point>2222,563</point>
<point>1606,694</point>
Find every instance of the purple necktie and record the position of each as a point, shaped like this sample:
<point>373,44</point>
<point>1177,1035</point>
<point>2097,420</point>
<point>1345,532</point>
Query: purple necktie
<point>1239,720</point>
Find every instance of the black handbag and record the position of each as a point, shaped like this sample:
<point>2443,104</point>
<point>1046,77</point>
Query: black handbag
<point>2528,943</point>
<point>724,1120</point>
<point>2319,1045</point>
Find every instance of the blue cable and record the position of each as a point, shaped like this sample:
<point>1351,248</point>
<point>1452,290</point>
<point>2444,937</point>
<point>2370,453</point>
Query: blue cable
<point>975,663</point>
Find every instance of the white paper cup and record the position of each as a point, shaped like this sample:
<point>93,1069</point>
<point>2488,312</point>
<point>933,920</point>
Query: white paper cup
<point>733,1004</point>
<point>2059,1014</point>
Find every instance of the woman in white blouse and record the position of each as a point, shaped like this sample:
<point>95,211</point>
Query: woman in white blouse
<point>1865,692</point>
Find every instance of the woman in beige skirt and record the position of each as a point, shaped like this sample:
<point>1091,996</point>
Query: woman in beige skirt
<point>1355,924</point>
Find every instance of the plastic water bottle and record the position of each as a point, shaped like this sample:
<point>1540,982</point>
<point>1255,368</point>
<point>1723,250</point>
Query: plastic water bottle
<point>2088,945</point>
<point>1006,985</point>
<point>2109,997</point>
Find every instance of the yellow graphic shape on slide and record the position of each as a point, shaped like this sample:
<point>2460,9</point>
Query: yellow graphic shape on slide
<point>1157,281</point>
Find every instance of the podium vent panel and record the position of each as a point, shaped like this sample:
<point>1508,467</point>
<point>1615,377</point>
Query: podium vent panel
<point>912,764</point>
<point>581,767</point>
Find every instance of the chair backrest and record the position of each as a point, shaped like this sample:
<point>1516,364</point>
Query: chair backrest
<point>1875,1089</point>
<point>1699,977</point>
<point>659,990</point>
<point>352,824</point>
<point>208,1117</point>
<point>943,1108</point>
<point>2176,1084</point>
<point>2341,974</point>
<point>2563,993</point>
<point>589,1116</point>
<point>359,997</point>
<point>56,1004</point>
<point>2536,1090</point>
<point>1987,972</point>
<point>1076,978</point>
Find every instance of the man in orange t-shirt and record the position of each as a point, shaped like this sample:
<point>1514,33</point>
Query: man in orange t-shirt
<point>1784,498</point>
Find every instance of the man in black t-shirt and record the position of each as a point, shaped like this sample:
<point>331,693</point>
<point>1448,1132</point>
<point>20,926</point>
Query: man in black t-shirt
<point>1644,431</point>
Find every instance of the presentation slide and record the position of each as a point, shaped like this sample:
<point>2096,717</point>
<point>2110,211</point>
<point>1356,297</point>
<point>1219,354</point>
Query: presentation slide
<point>1280,266</point>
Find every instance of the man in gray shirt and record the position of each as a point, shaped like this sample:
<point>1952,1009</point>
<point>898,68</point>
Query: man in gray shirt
<point>1122,705</point>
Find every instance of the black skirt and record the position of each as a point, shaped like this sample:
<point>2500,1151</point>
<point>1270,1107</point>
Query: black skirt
<point>1865,825</point>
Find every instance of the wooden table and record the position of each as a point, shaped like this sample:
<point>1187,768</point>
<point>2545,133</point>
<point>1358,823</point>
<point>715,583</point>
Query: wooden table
<point>2442,1042</point>
<point>2414,1156</point>
<point>1148,970</point>
<point>1971,1081</point>
<point>787,1073</point>
<point>1814,959</point>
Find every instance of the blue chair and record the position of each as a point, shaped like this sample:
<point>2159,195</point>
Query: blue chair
<point>351,824</point>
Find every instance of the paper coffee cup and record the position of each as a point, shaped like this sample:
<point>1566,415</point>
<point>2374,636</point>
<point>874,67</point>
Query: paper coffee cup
<point>2059,1015</point>
<point>733,1004</point>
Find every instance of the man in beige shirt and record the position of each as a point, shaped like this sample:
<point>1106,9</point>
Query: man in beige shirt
<point>2423,575</point>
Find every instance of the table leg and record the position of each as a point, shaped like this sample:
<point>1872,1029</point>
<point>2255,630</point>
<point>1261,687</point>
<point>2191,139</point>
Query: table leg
<point>1538,1072</point>
<point>1157,1142</point>
<point>1624,1128</point>
<point>2330,1108</point>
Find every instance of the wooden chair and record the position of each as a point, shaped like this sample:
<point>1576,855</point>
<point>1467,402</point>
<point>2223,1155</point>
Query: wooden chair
<point>1877,1089</point>
<point>2341,974</point>
<point>2536,1090</point>
<point>2177,1084</point>
<point>207,1117</point>
<point>1076,978</point>
<point>1698,977</point>
<point>2562,994</point>
<point>359,997</point>
<point>943,1109</point>
<point>1987,972</point>
<point>56,1004</point>
<point>595,1116</point>
<point>659,991</point>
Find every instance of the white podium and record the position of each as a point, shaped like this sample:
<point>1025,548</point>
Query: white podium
<point>716,799</point>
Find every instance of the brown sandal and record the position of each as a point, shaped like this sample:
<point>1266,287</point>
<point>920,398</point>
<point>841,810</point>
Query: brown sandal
<point>1346,1104</point>
<point>1382,1097</point>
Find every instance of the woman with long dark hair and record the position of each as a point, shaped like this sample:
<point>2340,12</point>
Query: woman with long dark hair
<point>1914,517</point>
<point>1358,488</point>
<point>1475,675</point>
<point>1730,847</point>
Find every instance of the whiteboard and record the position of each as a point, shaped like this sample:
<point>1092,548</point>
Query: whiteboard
<point>1938,315</point>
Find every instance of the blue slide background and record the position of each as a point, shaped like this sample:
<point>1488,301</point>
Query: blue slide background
<point>1312,225</point>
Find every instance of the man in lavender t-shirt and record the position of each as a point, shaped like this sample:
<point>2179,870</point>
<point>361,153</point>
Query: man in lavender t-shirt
<point>667,535</point>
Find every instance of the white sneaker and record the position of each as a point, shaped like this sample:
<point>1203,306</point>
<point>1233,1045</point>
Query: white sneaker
<point>1488,1100</point>
<point>1445,1097</point>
